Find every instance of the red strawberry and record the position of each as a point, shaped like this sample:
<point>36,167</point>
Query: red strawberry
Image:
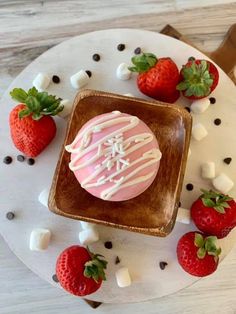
<point>198,79</point>
<point>157,78</point>
<point>197,254</point>
<point>79,271</point>
<point>32,127</point>
<point>214,213</point>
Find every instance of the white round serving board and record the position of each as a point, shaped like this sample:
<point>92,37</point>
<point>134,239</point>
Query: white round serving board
<point>20,184</point>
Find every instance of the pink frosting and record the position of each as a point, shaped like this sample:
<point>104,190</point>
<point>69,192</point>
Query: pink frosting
<point>122,193</point>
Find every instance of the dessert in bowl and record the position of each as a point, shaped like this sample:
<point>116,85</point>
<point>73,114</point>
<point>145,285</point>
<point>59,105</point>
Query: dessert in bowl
<point>115,156</point>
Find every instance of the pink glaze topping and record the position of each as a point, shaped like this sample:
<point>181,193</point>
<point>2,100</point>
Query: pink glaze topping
<point>115,156</point>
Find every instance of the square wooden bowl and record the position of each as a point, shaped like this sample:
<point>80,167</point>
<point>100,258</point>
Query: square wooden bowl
<point>154,211</point>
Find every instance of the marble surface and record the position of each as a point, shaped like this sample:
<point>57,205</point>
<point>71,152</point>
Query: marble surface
<point>164,305</point>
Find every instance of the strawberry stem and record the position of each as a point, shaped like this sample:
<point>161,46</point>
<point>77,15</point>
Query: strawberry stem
<point>143,62</point>
<point>215,200</point>
<point>37,103</point>
<point>197,80</point>
<point>95,267</point>
<point>206,246</point>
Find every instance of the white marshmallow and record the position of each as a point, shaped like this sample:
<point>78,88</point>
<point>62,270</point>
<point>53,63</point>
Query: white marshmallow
<point>123,277</point>
<point>86,225</point>
<point>41,81</point>
<point>199,132</point>
<point>88,236</point>
<point>67,108</point>
<point>183,215</point>
<point>39,239</point>
<point>201,105</point>
<point>79,79</point>
<point>223,183</point>
<point>129,95</point>
<point>43,197</point>
<point>208,170</point>
<point>122,72</point>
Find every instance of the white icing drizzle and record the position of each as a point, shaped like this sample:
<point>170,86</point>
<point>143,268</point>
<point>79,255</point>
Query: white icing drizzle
<point>114,149</point>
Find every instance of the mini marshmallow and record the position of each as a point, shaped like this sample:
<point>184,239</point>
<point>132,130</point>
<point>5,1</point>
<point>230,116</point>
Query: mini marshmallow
<point>123,277</point>
<point>39,239</point>
<point>208,170</point>
<point>41,81</point>
<point>88,236</point>
<point>183,215</point>
<point>122,72</point>
<point>199,132</point>
<point>223,183</point>
<point>201,105</point>
<point>43,197</point>
<point>129,95</point>
<point>67,108</point>
<point>86,225</point>
<point>79,79</point>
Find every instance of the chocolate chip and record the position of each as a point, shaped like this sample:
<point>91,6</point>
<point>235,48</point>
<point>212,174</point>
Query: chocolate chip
<point>180,204</point>
<point>212,100</point>
<point>137,50</point>
<point>108,245</point>
<point>227,160</point>
<point>96,57</point>
<point>54,278</point>
<point>191,58</point>
<point>121,47</point>
<point>89,73</point>
<point>189,187</point>
<point>7,160</point>
<point>20,158</point>
<point>30,161</point>
<point>117,261</point>
<point>217,121</point>
<point>163,265</point>
<point>188,109</point>
<point>56,79</point>
<point>10,215</point>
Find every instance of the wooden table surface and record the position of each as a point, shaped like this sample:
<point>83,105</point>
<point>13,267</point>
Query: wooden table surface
<point>28,28</point>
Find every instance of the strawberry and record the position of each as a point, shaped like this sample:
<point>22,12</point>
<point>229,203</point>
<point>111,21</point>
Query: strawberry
<point>31,125</point>
<point>157,78</point>
<point>197,254</point>
<point>214,213</point>
<point>79,271</point>
<point>198,79</point>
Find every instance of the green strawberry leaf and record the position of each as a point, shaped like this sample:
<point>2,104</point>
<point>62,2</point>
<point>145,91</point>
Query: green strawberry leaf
<point>19,94</point>
<point>33,104</point>
<point>220,209</point>
<point>33,92</point>
<point>201,253</point>
<point>37,103</point>
<point>208,202</point>
<point>198,240</point>
<point>24,113</point>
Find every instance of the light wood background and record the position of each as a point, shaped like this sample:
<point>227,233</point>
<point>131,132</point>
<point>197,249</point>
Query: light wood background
<point>28,28</point>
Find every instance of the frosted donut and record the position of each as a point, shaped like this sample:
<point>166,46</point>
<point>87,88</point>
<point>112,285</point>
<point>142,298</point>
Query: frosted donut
<point>115,156</point>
